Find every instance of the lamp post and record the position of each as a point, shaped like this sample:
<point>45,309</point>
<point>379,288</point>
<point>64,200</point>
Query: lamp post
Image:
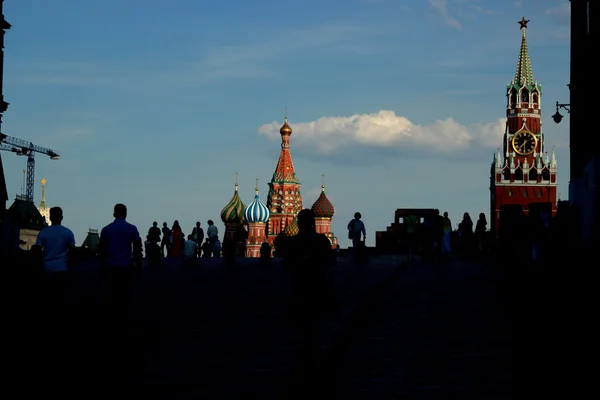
<point>557,117</point>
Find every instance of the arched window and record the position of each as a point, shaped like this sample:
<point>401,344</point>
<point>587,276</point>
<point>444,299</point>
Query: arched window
<point>535,98</point>
<point>510,192</point>
<point>525,192</point>
<point>524,96</point>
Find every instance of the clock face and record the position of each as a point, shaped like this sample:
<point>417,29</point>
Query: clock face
<point>524,143</point>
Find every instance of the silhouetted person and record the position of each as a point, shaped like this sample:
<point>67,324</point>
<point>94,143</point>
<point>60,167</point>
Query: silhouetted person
<point>154,234</point>
<point>55,242</point>
<point>120,254</point>
<point>465,229</point>
<point>265,254</point>
<point>358,234</point>
<point>198,234</point>
<point>189,252</point>
<point>207,249</point>
<point>447,232</point>
<point>166,240</point>
<point>308,258</point>
<point>480,232</point>
<point>177,239</point>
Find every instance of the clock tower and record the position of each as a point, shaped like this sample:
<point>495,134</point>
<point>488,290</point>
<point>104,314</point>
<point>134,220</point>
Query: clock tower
<point>523,173</point>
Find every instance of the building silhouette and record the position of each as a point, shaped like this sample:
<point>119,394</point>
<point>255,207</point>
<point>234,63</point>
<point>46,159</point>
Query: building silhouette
<point>523,172</point>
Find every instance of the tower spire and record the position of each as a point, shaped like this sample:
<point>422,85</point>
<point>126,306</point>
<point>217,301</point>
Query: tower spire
<point>524,73</point>
<point>43,202</point>
<point>322,182</point>
<point>236,181</point>
<point>256,188</point>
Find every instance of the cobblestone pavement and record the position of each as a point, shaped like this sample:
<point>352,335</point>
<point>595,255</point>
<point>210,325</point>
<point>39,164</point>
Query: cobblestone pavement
<point>440,332</point>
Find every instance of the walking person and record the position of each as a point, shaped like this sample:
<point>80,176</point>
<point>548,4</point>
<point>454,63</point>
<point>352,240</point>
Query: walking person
<point>55,243</point>
<point>308,258</point>
<point>358,233</point>
<point>120,254</point>
<point>447,228</point>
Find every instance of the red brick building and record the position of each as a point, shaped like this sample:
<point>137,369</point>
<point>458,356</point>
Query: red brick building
<point>523,172</point>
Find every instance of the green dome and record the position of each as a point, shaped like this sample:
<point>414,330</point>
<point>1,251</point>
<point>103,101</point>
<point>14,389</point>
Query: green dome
<point>233,212</point>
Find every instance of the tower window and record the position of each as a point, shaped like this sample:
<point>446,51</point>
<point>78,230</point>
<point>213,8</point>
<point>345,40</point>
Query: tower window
<point>525,96</point>
<point>525,193</point>
<point>535,98</point>
<point>539,192</point>
<point>510,192</point>
<point>513,98</point>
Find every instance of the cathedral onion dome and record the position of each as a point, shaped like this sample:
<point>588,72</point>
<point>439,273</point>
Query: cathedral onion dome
<point>233,212</point>
<point>285,129</point>
<point>291,229</point>
<point>256,211</point>
<point>323,207</point>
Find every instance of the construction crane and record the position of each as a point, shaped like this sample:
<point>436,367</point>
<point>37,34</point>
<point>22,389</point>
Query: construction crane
<point>24,148</point>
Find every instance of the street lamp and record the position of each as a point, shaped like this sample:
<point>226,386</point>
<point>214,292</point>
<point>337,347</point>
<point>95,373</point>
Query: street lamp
<point>557,117</point>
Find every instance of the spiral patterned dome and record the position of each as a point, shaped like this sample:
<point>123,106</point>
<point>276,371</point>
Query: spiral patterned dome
<point>233,212</point>
<point>323,207</point>
<point>256,211</point>
<point>291,229</point>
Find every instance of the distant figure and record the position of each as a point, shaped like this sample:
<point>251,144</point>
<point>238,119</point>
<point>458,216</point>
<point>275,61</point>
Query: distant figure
<point>166,240</point>
<point>55,242</point>
<point>216,246</point>
<point>358,234</point>
<point>154,234</point>
<point>438,234</point>
<point>120,254</point>
<point>265,254</point>
<point>465,230</point>
<point>308,257</point>
<point>480,230</point>
<point>177,239</point>
<point>447,232</point>
<point>189,252</point>
<point>198,234</point>
<point>207,249</point>
<point>211,231</point>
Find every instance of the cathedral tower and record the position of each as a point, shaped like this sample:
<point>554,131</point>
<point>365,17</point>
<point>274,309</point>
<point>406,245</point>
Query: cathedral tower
<point>284,200</point>
<point>232,216</point>
<point>323,210</point>
<point>523,173</point>
<point>256,215</point>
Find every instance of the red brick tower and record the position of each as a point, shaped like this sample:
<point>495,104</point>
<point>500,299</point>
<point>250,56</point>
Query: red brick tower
<point>324,211</point>
<point>523,173</point>
<point>257,216</point>
<point>284,200</point>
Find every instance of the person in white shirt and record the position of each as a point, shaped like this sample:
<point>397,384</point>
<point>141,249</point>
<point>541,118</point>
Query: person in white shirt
<point>55,242</point>
<point>190,251</point>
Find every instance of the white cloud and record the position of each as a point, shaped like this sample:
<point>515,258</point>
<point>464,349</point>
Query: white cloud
<point>441,9</point>
<point>386,130</point>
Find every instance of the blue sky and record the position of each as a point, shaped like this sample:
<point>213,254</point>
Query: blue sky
<point>157,104</point>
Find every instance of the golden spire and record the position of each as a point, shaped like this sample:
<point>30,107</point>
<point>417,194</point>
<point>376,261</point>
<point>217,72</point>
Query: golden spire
<point>285,128</point>
<point>256,189</point>
<point>43,202</point>
<point>322,182</point>
<point>236,181</point>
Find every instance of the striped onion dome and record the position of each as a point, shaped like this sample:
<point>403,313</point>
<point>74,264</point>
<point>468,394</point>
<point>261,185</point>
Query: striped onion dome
<point>323,207</point>
<point>233,212</point>
<point>292,228</point>
<point>256,211</point>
